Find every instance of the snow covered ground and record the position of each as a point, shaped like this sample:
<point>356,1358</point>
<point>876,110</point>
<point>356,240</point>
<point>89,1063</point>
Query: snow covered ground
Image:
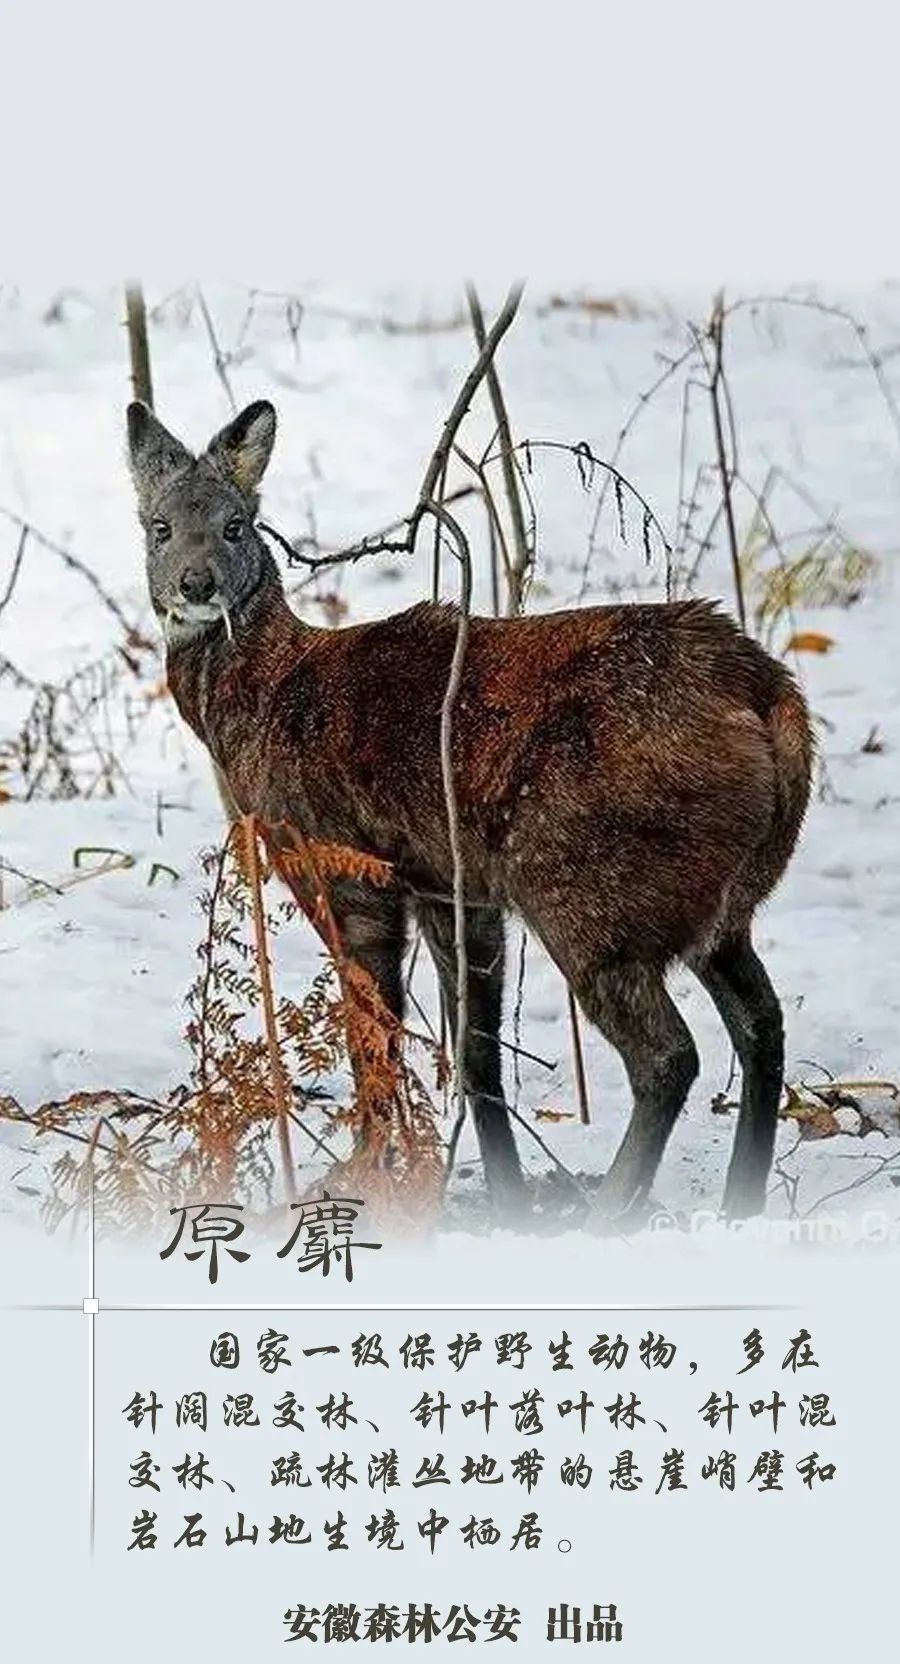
<point>92,979</point>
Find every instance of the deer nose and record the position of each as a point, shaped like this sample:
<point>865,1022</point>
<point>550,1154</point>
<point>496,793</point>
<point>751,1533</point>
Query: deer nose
<point>197,583</point>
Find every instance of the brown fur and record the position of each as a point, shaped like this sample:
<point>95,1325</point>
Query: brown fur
<point>631,779</point>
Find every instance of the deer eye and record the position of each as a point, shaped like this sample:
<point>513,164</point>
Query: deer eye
<point>161,530</point>
<point>232,529</point>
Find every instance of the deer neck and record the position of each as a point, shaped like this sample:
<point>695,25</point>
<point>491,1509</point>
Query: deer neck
<point>224,682</point>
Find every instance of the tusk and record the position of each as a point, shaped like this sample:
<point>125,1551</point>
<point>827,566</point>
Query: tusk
<point>226,618</point>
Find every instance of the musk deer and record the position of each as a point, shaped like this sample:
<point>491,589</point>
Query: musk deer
<point>630,780</point>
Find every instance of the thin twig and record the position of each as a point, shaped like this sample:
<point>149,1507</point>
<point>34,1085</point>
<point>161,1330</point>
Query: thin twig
<point>27,877</point>
<point>276,1065</point>
<point>641,403</point>
<point>436,545</point>
<point>6,597</point>
<point>587,461</point>
<point>726,475</point>
<point>882,1164</point>
<point>75,564</point>
<point>312,1136</point>
<point>580,1078</point>
<point>467,392</point>
<point>518,567</point>
<point>220,360</point>
<point>496,533</point>
<point>445,518</point>
<point>517,1011</point>
<point>810,303</point>
<point>347,555</point>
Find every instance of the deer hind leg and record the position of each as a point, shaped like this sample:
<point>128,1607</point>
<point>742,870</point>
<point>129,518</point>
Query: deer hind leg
<point>485,945</point>
<point>736,980</point>
<point>629,1004</point>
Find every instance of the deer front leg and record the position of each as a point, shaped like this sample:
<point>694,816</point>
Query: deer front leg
<point>370,924</point>
<point>483,1071</point>
<point>372,928</point>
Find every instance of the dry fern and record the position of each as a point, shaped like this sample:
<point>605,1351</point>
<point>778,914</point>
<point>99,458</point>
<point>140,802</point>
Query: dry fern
<point>212,1137</point>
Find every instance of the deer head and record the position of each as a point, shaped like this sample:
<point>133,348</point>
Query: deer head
<point>205,558</point>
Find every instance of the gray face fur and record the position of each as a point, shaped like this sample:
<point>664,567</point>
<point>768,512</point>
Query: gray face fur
<point>205,560</point>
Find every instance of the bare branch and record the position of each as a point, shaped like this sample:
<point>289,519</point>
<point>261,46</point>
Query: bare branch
<point>466,394</point>
<point>588,461</point>
<point>376,543</point>
<point>444,518</point>
<point>810,303</point>
<point>518,567</point>
<point>75,564</point>
<point>643,400</point>
<point>220,359</point>
<point>385,542</point>
<point>726,472</point>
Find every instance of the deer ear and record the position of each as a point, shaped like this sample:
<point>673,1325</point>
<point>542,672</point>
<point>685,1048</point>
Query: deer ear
<point>156,455</point>
<point>241,450</point>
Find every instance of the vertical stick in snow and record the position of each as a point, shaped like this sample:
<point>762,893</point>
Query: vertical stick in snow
<point>138,344</point>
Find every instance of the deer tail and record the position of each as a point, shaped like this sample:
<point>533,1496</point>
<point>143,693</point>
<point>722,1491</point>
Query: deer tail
<point>791,737</point>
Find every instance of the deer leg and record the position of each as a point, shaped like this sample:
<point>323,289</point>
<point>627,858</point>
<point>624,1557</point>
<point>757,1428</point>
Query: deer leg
<point>736,981</point>
<point>372,926</point>
<point>482,1062</point>
<point>371,923</point>
<point>631,1008</point>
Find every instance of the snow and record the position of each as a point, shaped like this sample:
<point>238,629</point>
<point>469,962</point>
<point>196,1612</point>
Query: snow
<point>92,979</point>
